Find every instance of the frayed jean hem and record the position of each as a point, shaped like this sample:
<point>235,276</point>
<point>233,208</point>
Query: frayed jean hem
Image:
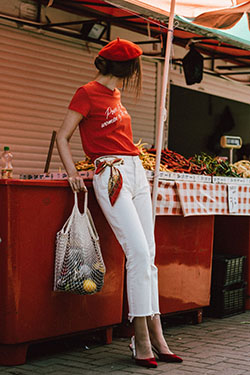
<point>130,317</point>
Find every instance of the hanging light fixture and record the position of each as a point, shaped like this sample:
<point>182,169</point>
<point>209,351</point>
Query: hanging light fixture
<point>93,31</point>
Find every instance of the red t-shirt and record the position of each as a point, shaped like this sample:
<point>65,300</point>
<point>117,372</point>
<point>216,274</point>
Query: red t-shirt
<point>106,126</point>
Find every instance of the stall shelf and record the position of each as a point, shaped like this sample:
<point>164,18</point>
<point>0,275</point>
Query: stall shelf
<point>31,214</point>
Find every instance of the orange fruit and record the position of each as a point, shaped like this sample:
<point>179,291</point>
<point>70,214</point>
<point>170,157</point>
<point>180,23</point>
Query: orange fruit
<point>89,286</point>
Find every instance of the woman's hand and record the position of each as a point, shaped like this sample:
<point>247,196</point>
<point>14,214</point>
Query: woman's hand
<point>76,183</point>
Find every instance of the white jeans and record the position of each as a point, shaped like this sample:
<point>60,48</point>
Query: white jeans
<point>131,221</point>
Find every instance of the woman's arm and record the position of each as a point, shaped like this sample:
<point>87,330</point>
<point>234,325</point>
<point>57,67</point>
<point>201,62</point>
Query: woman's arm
<point>64,134</point>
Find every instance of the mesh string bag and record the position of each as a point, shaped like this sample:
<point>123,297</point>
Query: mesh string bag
<point>79,266</point>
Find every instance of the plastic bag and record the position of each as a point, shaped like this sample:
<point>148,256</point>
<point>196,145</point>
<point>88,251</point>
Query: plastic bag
<point>79,266</point>
<point>193,66</point>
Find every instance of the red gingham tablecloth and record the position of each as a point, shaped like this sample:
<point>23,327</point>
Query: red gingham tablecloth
<point>202,198</point>
<point>168,201</point>
<point>198,198</point>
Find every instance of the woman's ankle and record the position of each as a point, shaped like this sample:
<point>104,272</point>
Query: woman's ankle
<point>143,348</point>
<point>142,339</point>
<point>160,345</point>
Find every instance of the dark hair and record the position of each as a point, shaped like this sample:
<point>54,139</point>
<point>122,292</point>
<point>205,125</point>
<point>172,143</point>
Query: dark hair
<point>129,70</point>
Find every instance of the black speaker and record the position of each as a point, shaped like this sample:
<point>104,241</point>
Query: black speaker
<point>193,66</point>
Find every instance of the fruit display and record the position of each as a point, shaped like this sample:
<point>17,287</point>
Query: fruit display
<point>148,159</point>
<point>242,167</point>
<point>171,161</point>
<point>85,165</point>
<point>214,166</point>
<point>174,162</point>
<point>202,164</point>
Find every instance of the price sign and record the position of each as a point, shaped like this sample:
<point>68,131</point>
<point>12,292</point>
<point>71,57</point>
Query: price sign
<point>230,141</point>
<point>233,198</point>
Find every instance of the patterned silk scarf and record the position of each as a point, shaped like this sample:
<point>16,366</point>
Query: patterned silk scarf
<point>115,178</point>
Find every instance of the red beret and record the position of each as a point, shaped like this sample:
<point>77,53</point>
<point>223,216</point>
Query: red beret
<point>120,50</point>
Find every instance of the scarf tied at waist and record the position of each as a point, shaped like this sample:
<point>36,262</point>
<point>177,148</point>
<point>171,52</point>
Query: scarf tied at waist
<point>115,178</point>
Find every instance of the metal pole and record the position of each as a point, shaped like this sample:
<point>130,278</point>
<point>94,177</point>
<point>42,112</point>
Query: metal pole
<point>166,135</point>
<point>162,115</point>
<point>231,155</point>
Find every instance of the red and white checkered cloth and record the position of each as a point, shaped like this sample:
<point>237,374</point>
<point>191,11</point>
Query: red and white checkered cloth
<point>198,198</point>
<point>202,198</point>
<point>243,200</point>
<point>211,199</point>
<point>168,201</point>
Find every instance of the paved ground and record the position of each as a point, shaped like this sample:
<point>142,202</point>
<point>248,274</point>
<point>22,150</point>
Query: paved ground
<point>214,347</point>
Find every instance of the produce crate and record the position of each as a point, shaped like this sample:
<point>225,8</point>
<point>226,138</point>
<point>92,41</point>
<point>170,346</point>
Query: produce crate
<point>227,270</point>
<point>228,301</point>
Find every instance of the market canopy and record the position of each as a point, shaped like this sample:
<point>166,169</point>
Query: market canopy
<point>140,15</point>
<point>224,18</point>
<point>188,8</point>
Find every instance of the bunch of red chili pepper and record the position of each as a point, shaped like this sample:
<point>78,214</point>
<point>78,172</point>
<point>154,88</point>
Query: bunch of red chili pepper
<point>178,163</point>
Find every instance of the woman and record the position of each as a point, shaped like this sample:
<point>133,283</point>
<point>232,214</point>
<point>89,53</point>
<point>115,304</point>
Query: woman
<point>120,185</point>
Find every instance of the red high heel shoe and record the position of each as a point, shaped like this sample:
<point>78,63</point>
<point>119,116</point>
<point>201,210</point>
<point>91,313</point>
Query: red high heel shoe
<point>167,357</point>
<point>147,362</point>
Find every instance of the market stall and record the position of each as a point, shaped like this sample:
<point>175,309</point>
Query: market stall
<point>33,211</point>
<point>186,208</point>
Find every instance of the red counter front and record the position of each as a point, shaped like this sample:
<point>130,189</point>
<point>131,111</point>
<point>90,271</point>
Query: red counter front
<point>31,214</point>
<point>184,260</point>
